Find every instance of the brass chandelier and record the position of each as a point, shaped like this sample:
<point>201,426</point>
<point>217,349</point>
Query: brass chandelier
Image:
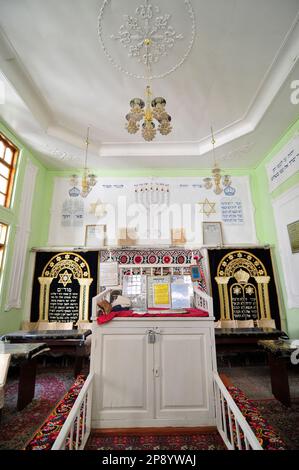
<point>88,180</point>
<point>217,181</point>
<point>146,113</point>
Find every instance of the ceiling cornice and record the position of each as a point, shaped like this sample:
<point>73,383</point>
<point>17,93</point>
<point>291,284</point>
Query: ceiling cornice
<point>16,73</point>
<point>283,63</point>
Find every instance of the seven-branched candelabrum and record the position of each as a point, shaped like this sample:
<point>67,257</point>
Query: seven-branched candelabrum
<point>148,112</point>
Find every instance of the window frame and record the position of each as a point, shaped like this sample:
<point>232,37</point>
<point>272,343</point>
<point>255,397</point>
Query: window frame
<point>3,245</point>
<point>11,167</point>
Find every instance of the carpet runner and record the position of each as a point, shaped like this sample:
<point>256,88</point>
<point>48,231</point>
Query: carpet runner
<point>46,435</point>
<point>196,441</point>
<point>267,436</point>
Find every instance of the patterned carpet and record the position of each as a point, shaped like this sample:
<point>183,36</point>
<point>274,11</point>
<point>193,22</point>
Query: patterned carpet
<point>210,441</point>
<point>256,384</point>
<point>17,427</point>
<point>283,419</point>
<point>255,381</point>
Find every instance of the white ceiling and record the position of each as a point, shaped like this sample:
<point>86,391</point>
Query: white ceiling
<point>237,76</point>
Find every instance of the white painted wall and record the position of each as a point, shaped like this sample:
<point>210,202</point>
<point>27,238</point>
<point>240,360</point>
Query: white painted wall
<point>286,211</point>
<point>184,194</point>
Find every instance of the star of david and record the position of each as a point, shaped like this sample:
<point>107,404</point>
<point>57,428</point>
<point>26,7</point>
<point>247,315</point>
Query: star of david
<point>249,290</point>
<point>207,207</point>
<point>236,290</point>
<point>98,209</point>
<point>65,278</point>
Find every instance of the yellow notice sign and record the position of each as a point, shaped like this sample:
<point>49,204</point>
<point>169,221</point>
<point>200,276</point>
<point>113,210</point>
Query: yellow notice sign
<point>161,294</point>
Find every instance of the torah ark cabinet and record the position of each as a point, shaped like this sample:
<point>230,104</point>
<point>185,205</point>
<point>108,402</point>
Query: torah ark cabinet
<point>153,372</point>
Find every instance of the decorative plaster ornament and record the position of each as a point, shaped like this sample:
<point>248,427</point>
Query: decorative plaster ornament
<point>59,154</point>
<point>148,35</point>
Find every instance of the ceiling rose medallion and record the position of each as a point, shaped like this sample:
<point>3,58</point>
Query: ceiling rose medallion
<point>148,34</point>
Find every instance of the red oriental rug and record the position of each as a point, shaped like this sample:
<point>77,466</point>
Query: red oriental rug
<point>46,435</point>
<point>285,420</point>
<point>17,427</point>
<point>275,425</point>
<point>196,441</point>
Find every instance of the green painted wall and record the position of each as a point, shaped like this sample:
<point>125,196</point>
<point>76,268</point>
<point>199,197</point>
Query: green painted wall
<point>265,225</point>
<point>10,320</point>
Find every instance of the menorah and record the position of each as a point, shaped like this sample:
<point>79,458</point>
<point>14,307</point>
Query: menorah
<point>152,193</point>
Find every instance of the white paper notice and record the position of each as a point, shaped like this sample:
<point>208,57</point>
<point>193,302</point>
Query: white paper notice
<point>284,164</point>
<point>109,274</point>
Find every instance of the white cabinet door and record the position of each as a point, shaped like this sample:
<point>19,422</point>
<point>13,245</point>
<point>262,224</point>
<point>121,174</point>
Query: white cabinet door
<point>167,381</point>
<point>124,388</point>
<point>183,376</point>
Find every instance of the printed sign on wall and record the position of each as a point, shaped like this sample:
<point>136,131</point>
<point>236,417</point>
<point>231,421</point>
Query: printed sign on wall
<point>232,211</point>
<point>284,165</point>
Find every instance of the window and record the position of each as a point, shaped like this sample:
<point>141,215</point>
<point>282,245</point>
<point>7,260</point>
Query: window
<point>8,160</point>
<point>3,233</point>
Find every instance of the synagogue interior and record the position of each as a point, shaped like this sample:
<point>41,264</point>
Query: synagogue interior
<point>149,225</point>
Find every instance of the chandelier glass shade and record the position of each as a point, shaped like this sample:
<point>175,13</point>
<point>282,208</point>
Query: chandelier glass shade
<point>145,113</point>
<point>87,183</point>
<point>216,181</point>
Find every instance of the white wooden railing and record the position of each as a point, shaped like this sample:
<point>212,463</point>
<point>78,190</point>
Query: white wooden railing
<point>76,429</point>
<point>231,424</point>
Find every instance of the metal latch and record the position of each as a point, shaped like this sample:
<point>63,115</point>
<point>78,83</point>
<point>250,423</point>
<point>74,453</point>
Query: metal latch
<point>151,336</point>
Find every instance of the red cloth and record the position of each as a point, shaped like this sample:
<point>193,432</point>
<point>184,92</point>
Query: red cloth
<point>192,312</point>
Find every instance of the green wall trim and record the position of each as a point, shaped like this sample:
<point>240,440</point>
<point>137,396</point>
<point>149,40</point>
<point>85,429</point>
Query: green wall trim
<point>265,223</point>
<point>10,320</point>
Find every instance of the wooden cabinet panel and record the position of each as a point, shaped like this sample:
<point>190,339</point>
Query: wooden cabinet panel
<point>183,390</point>
<point>125,388</point>
<point>153,374</point>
